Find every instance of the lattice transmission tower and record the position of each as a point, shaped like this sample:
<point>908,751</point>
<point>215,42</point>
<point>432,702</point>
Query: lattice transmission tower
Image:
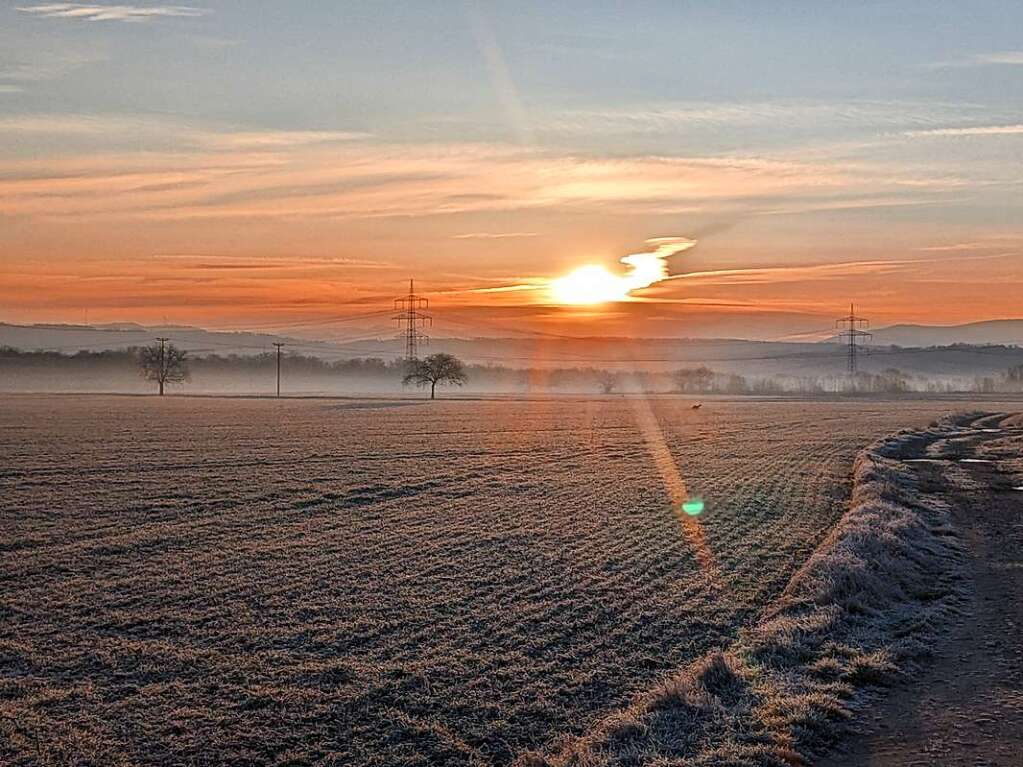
<point>411,319</point>
<point>855,337</point>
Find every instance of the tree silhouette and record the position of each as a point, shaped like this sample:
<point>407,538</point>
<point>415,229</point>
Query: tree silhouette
<point>693,379</point>
<point>436,369</point>
<point>608,382</point>
<point>163,363</point>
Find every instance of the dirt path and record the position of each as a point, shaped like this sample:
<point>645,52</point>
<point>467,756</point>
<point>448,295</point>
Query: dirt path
<point>966,707</point>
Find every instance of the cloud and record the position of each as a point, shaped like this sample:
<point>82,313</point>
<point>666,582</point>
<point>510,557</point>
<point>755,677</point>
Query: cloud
<point>186,171</point>
<point>116,127</point>
<point>594,284</point>
<point>778,118</point>
<point>991,243</point>
<point>492,235</point>
<point>276,139</point>
<point>127,13</point>
<point>227,262</point>
<point>800,273</point>
<point>1014,58</point>
<point>39,65</point>
<point>997,58</point>
<point>976,130</point>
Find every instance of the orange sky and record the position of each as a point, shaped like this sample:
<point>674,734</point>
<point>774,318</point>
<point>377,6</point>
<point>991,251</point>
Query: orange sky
<point>125,196</point>
<point>277,229</point>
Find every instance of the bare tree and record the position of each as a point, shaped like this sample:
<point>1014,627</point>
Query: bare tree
<point>164,363</point>
<point>608,381</point>
<point>436,369</point>
<point>688,380</point>
<point>1014,376</point>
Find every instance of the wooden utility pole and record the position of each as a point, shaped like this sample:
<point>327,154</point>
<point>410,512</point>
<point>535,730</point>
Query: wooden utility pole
<point>162,378</point>
<point>278,345</point>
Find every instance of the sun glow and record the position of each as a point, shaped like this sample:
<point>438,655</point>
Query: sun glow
<point>593,284</point>
<point>589,285</point>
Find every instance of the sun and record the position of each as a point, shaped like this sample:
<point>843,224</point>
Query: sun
<point>589,284</point>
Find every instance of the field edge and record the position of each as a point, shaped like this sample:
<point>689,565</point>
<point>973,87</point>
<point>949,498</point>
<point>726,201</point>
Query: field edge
<point>864,609</point>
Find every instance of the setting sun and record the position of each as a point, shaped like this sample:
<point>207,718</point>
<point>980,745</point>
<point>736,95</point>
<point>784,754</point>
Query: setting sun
<point>594,284</point>
<point>589,284</point>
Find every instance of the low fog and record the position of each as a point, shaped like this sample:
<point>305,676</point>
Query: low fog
<point>1000,369</point>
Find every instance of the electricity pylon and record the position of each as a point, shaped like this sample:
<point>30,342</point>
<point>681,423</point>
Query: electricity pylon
<point>412,320</point>
<point>855,337</point>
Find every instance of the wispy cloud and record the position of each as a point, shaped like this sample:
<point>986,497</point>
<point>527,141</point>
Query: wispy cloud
<point>38,65</point>
<point>127,13</point>
<point>1014,58</point>
<point>798,273</point>
<point>492,235</point>
<point>188,171</point>
<point>782,115</point>
<point>276,139</point>
<point>107,128</point>
<point>228,262</point>
<point>975,130</point>
<point>987,243</point>
<point>996,58</point>
<point>829,271</point>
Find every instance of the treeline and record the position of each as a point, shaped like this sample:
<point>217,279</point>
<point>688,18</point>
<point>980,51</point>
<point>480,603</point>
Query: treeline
<point>119,371</point>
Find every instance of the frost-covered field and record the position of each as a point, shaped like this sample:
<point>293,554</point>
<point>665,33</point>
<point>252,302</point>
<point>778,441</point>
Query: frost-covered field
<point>196,580</point>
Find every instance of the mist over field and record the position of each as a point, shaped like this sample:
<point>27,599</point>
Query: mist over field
<point>86,359</point>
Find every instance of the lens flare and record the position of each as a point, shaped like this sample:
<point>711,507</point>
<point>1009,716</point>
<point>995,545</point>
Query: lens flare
<point>675,486</point>
<point>693,506</point>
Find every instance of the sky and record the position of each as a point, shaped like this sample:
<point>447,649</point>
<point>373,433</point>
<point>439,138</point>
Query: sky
<point>269,165</point>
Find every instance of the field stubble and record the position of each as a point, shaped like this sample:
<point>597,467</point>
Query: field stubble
<point>207,581</point>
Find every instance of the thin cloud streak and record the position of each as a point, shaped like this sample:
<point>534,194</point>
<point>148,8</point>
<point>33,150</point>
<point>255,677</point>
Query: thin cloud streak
<point>125,13</point>
<point>492,235</point>
<point>997,58</point>
<point>815,272</point>
<point>153,128</point>
<point>774,274</point>
<point>210,261</point>
<point>977,130</point>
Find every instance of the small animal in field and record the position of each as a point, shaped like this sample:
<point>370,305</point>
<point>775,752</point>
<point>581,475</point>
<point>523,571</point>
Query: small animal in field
<point>697,406</point>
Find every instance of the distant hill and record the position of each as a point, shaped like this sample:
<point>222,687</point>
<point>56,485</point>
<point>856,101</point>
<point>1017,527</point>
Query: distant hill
<point>122,335</point>
<point>540,350</point>
<point>927,351</point>
<point>1006,332</point>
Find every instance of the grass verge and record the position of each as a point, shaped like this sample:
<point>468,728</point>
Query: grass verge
<point>864,609</point>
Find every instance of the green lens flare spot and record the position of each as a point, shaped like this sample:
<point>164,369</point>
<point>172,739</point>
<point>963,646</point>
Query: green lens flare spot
<point>693,507</point>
